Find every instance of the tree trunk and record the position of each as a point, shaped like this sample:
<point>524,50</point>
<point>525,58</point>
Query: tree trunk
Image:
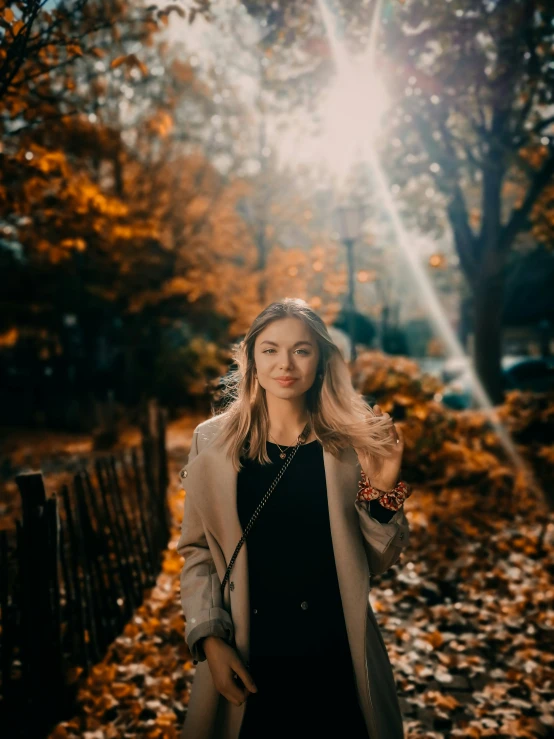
<point>487,318</point>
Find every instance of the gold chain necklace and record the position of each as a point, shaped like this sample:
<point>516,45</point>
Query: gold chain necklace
<point>303,434</point>
<point>283,454</point>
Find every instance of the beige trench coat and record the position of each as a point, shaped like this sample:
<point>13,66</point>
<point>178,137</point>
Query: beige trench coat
<point>210,532</point>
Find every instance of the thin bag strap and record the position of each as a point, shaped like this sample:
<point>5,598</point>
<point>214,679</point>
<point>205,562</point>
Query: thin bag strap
<point>259,507</point>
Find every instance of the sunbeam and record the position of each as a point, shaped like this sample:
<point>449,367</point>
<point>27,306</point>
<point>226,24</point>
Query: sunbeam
<point>354,106</point>
<point>367,151</point>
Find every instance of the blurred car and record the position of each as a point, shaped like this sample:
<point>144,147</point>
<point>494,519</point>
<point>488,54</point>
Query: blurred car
<point>454,367</point>
<point>535,374</point>
<point>529,373</point>
<point>456,394</point>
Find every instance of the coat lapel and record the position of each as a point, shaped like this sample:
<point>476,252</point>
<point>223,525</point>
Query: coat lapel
<point>212,481</point>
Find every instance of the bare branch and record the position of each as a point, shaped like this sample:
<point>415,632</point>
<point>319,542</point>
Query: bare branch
<point>543,124</point>
<point>16,52</point>
<point>466,242</point>
<point>520,215</point>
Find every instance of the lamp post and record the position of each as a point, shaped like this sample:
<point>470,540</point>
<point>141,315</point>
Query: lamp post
<point>348,222</point>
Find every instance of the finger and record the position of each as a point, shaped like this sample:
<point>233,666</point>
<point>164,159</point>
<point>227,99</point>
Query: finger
<point>392,432</point>
<point>235,696</point>
<point>245,676</point>
<point>235,692</point>
<point>382,413</point>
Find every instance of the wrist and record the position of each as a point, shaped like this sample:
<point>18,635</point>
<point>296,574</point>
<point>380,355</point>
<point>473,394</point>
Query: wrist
<point>391,499</point>
<point>209,641</point>
<point>383,487</point>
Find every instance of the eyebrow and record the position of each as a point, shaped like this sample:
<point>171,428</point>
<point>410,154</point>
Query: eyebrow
<point>297,343</point>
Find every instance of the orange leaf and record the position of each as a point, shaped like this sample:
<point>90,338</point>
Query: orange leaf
<point>74,49</point>
<point>122,690</point>
<point>118,61</point>
<point>435,638</point>
<point>447,702</point>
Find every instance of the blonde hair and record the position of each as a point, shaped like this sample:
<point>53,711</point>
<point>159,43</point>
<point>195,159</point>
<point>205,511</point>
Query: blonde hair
<point>338,414</point>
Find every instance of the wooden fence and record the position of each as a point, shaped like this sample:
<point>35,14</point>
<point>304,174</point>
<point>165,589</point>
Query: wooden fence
<point>81,562</point>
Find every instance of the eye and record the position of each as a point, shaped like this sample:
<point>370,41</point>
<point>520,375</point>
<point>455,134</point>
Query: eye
<point>305,351</point>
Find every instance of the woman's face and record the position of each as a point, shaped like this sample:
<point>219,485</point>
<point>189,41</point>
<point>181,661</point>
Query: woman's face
<point>286,348</point>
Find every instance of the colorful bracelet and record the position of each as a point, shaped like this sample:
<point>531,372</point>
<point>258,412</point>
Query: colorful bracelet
<point>391,499</point>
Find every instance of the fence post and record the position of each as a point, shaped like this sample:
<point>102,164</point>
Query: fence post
<point>153,428</point>
<point>163,473</point>
<point>147,427</point>
<point>9,629</point>
<point>161,429</point>
<point>42,662</point>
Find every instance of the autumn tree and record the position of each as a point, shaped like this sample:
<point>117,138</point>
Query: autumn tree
<point>79,189</point>
<point>294,252</point>
<point>471,120</point>
<point>474,119</point>
<point>128,208</point>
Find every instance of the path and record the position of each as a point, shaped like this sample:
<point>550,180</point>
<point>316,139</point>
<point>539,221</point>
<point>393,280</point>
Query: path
<point>467,619</point>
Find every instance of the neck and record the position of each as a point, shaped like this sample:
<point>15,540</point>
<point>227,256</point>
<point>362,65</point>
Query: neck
<point>287,418</point>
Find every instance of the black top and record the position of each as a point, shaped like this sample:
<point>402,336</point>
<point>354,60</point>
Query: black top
<point>295,604</point>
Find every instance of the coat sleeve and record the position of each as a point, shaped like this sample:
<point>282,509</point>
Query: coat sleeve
<point>384,542</point>
<point>200,585</point>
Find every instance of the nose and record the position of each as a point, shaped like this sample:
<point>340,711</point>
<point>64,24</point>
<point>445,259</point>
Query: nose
<point>285,362</point>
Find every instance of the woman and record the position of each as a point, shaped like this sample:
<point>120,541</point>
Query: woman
<point>293,645</point>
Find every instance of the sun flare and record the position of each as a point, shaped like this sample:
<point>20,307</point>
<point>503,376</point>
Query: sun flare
<point>352,116</point>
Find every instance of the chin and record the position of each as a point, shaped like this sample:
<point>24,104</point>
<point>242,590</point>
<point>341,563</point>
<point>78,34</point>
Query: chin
<point>288,392</point>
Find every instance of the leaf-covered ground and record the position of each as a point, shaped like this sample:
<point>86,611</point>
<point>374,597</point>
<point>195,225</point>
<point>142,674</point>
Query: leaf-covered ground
<point>467,617</point>
<point>468,620</point>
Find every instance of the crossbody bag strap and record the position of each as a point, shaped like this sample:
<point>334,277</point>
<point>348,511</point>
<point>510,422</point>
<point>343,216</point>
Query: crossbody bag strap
<point>256,513</point>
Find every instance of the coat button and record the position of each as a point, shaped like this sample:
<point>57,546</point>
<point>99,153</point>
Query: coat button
<point>401,535</point>
<point>184,473</point>
<point>255,610</point>
<point>231,586</point>
<point>304,605</point>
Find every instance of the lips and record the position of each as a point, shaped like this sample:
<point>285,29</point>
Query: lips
<point>286,383</point>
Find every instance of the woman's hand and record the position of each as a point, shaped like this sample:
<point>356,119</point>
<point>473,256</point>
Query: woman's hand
<point>390,470</point>
<point>226,666</point>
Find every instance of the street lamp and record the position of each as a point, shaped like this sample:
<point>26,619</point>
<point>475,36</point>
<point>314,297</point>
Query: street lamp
<point>348,221</point>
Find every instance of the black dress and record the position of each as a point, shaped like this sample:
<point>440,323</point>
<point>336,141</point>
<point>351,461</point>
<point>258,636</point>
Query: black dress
<point>299,653</point>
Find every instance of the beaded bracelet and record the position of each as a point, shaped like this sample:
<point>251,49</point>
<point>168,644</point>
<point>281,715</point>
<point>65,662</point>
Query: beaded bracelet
<point>392,499</point>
